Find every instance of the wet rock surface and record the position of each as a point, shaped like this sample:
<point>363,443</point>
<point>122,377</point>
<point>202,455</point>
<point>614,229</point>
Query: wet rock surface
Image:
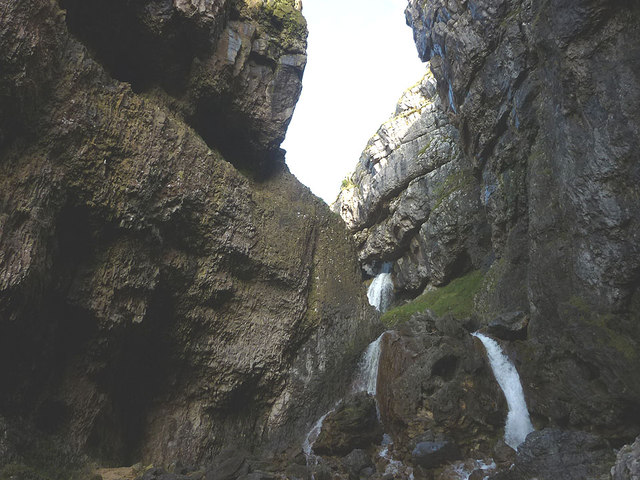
<point>434,454</point>
<point>565,455</point>
<point>156,303</point>
<point>353,425</point>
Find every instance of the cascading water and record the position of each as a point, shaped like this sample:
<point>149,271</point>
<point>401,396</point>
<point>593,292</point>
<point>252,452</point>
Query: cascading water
<point>380,293</point>
<point>366,379</point>
<point>518,424</point>
<point>311,437</point>
<point>463,470</point>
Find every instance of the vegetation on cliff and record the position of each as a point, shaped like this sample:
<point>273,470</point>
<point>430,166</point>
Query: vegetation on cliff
<point>455,298</point>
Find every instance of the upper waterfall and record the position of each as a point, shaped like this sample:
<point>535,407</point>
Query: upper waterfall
<point>518,424</point>
<point>380,291</point>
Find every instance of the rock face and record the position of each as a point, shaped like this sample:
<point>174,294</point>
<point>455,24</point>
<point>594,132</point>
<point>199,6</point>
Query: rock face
<point>546,97</point>
<point>559,454</point>
<point>404,200</point>
<point>627,464</point>
<point>435,386</point>
<point>538,189</point>
<point>155,303</point>
<point>232,68</point>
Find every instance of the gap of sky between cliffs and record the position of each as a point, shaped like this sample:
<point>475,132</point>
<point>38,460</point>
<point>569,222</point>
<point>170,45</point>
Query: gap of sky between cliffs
<point>361,58</point>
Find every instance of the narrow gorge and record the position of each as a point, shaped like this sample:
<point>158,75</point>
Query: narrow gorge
<point>176,305</point>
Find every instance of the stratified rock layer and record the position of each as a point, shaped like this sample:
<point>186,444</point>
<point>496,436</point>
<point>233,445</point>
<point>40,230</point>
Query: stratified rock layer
<point>155,303</point>
<point>538,189</point>
<point>546,98</point>
<point>413,198</point>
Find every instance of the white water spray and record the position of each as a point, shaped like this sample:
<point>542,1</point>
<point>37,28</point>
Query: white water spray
<point>463,470</point>
<point>518,424</point>
<point>380,293</point>
<point>366,379</point>
<point>312,436</point>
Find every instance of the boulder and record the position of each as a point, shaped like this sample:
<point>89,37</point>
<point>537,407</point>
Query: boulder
<point>229,464</point>
<point>355,462</point>
<point>438,381</point>
<point>433,454</point>
<point>353,425</point>
<point>562,455</point>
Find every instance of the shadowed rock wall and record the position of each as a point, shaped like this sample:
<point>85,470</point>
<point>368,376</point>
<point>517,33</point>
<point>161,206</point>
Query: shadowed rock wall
<point>156,303</point>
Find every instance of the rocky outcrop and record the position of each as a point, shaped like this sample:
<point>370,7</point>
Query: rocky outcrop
<point>232,69</point>
<point>546,103</point>
<point>156,303</point>
<point>412,198</point>
<point>559,454</point>
<point>435,386</point>
<point>541,102</point>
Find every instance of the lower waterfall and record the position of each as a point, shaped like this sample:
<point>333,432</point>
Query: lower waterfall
<point>366,379</point>
<point>311,437</point>
<point>518,424</point>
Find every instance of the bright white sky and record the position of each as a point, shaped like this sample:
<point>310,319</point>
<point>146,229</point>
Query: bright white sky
<point>361,57</point>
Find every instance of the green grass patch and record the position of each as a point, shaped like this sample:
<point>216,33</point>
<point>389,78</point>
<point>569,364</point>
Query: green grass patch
<point>455,298</point>
<point>347,184</point>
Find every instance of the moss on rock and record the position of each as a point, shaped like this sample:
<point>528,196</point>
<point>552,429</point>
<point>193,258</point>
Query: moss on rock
<point>456,298</point>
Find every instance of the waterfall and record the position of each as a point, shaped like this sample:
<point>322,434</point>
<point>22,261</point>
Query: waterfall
<point>311,437</point>
<point>380,291</point>
<point>518,424</point>
<point>366,379</point>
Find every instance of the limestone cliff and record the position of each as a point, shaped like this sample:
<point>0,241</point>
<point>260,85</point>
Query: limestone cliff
<point>537,190</point>
<point>156,302</point>
<point>412,197</point>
